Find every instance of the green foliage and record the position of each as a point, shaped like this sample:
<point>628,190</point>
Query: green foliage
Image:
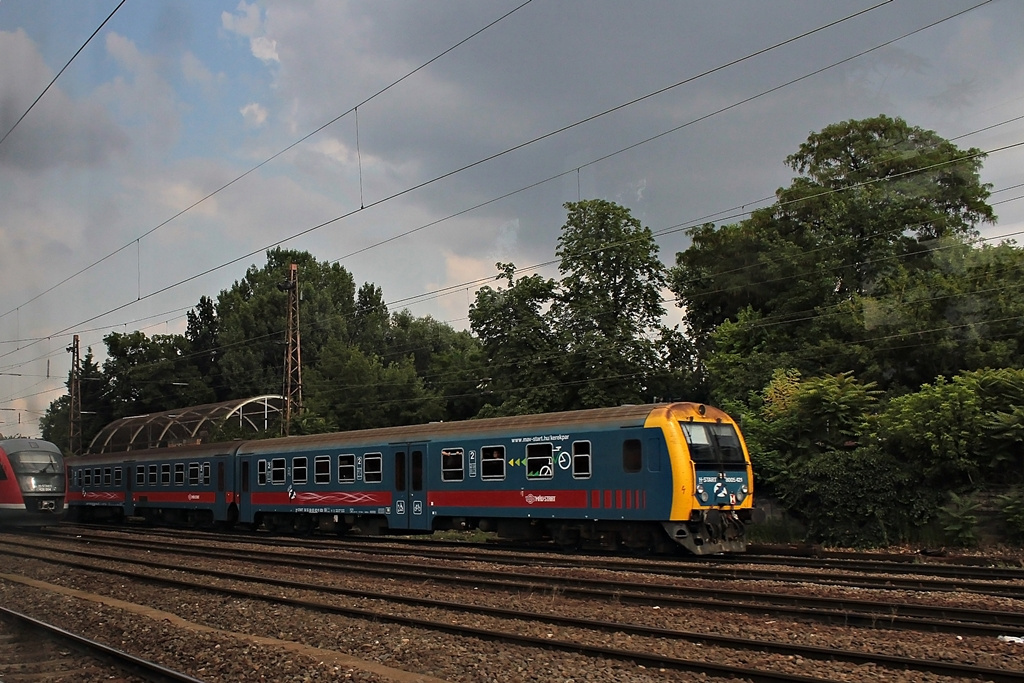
<point>959,519</point>
<point>935,429</point>
<point>1011,505</point>
<point>804,440</point>
<point>253,320</point>
<point>609,304</point>
<point>593,338</point>
<point>960,434</point>
<point>521,348</point>
<point>863,264</point>
<point>800,419</point>
<point>857,498</point>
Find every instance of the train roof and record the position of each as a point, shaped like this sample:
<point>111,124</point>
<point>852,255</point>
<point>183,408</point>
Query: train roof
<point>621,416</point>
<point>520,425</point>
<point>26,444</point>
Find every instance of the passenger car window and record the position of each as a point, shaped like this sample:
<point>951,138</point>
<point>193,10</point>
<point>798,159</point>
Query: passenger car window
<point>493,462</point>
<point>539,461</point>
<point>581,460</point>
<point>452,464</point>
<point>299,470</point>
<point>322,469</point>
<point>632,455</point>
<point>372,473</point>
<point>277,471</point>
<point>346,468</point>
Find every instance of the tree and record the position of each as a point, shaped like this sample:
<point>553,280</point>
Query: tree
<point>593,338</point>
<point>825,280</point>
<point>55,423</point>
<point>203,336</point>
<point>448,361</point>
<point>609,305</point>
<point>370,319</point>
<point>810,448</point>
<point>150,374</point>
<point>521,346</point>
<point>253,313</point>
<point>351,390</point>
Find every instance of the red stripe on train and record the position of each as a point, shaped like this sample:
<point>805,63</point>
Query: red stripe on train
<point>320,499</point>
<point>96,496</point>
<point>508,499</point>
<point>184,497</point>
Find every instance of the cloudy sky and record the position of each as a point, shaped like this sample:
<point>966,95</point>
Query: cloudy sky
<point>434,138</point>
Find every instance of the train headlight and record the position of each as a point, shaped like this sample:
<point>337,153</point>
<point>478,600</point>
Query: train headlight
<point>701,493</point>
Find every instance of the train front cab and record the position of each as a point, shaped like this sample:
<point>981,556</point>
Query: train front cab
<point>713,495</point>
<point>32,482</point>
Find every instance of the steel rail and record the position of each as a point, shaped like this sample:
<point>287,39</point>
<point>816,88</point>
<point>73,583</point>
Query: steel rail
<point>754,674</point>
<point>151,671</point>
<point>834,610</point>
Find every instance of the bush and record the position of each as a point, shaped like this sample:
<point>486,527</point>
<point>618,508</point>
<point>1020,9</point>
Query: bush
<point>1011,505</point>
<point>860,498</point>
<point>959,520</point>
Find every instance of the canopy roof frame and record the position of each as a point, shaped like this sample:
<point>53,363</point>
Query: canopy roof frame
<point>185,425</point>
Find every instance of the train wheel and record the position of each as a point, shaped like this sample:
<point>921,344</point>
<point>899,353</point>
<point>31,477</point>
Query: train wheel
<point>566,537</point>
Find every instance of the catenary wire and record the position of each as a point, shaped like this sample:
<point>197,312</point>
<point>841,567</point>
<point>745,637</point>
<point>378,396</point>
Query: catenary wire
<point>263,163</point>
<point>77,52</point>
<point>488,279</point>
<point>516,147</point>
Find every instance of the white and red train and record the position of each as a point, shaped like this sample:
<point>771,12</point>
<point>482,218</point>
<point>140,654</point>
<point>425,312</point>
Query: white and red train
<point>644,476</point>
<point>32,483</point>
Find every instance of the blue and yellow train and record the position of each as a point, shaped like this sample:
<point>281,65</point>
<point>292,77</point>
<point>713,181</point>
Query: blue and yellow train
<point>645,477</point>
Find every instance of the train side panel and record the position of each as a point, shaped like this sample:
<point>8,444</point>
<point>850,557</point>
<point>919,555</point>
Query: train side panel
<point>599,480</point>
<point>187,485</point>
<point>642,477</point>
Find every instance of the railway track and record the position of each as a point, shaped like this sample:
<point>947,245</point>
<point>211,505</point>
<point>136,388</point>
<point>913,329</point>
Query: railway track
<point>830,610</point>
<point>854,573</point>
<point>31,649</point>
<point>226,583</point>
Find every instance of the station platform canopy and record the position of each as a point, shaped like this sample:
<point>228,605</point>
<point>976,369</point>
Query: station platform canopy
<point>193,425</point>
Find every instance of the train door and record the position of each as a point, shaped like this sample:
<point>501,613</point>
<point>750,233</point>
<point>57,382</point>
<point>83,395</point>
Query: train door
<point>244,488</point>
<point>409,510</point>
<point>130,480</point>
<point>641,464</point>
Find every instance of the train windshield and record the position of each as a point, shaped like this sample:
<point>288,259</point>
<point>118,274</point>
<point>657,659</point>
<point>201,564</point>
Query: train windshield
<point>713,443</point>
<point>36,462</point>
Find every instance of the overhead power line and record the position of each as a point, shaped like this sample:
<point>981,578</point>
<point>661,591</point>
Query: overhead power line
<point>421,297</point>
<point>444,175</point>
<point>77,52</point>
<point>266,161</point>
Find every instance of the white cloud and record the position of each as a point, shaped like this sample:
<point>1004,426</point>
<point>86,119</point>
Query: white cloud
<point>249,23</point>
<point>264,49</point>
<point>255,115</point>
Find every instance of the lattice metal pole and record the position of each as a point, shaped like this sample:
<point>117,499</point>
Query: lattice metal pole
<point>75,396</point>
<point>293,352</point>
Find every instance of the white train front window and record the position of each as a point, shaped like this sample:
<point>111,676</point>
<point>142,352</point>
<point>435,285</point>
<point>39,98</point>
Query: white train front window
<point>713,443</point>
